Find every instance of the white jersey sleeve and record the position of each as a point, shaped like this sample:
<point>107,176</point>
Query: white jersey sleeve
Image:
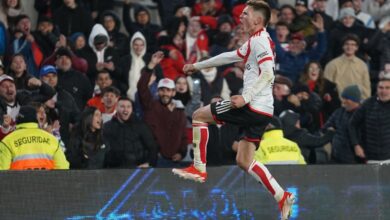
<point>219,60</point>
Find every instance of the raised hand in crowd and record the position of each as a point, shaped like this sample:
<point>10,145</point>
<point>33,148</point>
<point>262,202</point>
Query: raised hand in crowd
<point>7,120</point>
<point>34,82</point>
<point>61,42</point>
<point>156,59</point>
<point>318,22</point>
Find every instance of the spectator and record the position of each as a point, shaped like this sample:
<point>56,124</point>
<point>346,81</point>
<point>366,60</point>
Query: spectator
<point>3,40</point>
<point>309,144</point>
<point>281,93</point>
<point>342,148</point>
<point>282,34</point>
<point>11,100</point>
<point>319,7</point>
<point>74,82</point>
<point>165,116</point>
<point>61,106</point>
<point>23,42</point>
<point>377,8</point>
<point>365,18</point>
<point>173,62</point>
<point>87,149</point>
<point>47,124</point>
<point>212,83</point>
<point>103,80</point>
<point>275,149</point>
<point>71,18</point>
<point>374,118</point>
<point>110,96</point>
<point>348,69</point>
<point>99,55</point>
<point>10,10</point>
<point>307,104</point>
<point>313,77</point>
<point>346,25</point>
<point>78,44</point>
<point>196,41</point>
<point>141,24</point>
<point>378,47</point>
<point>287,14</point>
<point>46,36</point>
<point>302,23</point>
<point>291,63</point>
<point>117,40</point>
<point>208,8</point>
<point>18,71</point>
<point>131,141</point>
<point>46,8</point>
<point>29,147</point>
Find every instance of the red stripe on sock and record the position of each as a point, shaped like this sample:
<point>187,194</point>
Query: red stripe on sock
<point>204,138</point>
<point>260,173</point>
<point>200,125</point>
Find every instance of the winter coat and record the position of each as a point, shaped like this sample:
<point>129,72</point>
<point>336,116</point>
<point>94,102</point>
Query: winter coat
<point>374,118</point>
<point>131,143</point>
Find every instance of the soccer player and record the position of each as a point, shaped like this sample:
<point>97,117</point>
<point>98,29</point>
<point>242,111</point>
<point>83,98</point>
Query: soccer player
<point>252,110</point>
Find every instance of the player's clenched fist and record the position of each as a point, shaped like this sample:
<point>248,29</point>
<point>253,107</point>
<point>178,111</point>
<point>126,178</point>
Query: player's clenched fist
<point>189,69</point>
<point>237,101</point>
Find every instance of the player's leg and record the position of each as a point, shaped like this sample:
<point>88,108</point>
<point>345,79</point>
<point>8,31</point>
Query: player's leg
<point>245,161</point>
<point>200,120</point>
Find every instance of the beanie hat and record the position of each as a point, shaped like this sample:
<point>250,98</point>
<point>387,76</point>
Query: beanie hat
<point>352,93</point>
<point>26,114</point>
<point>347,12</point>
<point>301,2</point>
<point>288,118</point>
<point>274,124</point>
<point>63,51</point>
<point>224,19</point>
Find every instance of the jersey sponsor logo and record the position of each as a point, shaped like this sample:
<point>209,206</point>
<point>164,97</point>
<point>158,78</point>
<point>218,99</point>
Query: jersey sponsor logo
<point>265,53</point>
<point>248,66</point>
<point>31,139</point>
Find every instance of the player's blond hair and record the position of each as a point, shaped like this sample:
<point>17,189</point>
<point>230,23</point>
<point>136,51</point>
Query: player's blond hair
<point>262,7</point>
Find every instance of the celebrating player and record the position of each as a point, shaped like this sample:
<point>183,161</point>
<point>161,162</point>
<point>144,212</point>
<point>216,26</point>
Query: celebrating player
<point>252,110</point>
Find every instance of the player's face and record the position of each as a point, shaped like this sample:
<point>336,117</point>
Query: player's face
<point>383,91</point>
<point>247,19</point>
<point>124,109</point>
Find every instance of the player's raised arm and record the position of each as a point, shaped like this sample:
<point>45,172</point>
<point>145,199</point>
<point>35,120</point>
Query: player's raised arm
<point>219,60</point>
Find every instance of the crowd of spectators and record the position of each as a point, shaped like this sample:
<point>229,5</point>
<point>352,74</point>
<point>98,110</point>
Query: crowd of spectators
<point>117,97</point>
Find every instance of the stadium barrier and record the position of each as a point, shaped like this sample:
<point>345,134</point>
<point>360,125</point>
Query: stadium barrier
<point>323,192</point>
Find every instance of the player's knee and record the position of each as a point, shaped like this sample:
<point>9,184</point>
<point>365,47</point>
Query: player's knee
<point>242,163</point>
<point>197,115</point>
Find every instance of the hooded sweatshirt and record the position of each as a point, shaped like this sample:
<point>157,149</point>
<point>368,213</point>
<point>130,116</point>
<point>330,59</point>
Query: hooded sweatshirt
<point>137,63</point>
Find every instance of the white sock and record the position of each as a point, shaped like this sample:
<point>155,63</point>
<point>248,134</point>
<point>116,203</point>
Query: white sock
<point>262,175</point>
<point>200,133</point>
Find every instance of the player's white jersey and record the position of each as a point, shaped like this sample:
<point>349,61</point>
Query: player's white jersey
<point>259,58</point>
<point>258,55</point>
